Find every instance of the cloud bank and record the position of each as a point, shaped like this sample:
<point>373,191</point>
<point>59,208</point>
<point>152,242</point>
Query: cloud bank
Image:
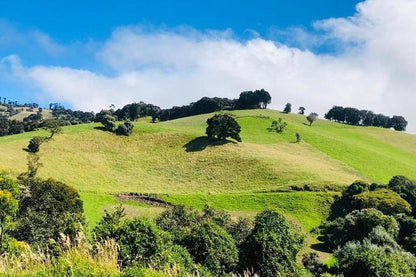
<point>373,66</point>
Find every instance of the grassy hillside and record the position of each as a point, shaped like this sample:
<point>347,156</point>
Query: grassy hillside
<point>172,158</point>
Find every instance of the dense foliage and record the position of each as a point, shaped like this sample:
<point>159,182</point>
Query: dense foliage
<point>354,116</point>
<point>372,230</point>
<point>222,126</point>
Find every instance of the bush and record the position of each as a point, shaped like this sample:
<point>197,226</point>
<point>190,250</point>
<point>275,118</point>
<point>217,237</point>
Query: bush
<point>212,247</point>
<point>272,246</point>
<point>178,221</point>
<point>125,128</point>
<point>356,226</point>
<point>223,126</point>
<point>277,126</point>
<point>49,209</point>
<point>109,122</point>
<point>35,143</point>
<point>140,241</point>
<point>362,259</point>
<point>405,187</point>
<point>288,108</point>
<point>384,200</point>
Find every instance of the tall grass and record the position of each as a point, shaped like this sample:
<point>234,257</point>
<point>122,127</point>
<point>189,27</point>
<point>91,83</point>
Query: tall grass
<point>76,259</point>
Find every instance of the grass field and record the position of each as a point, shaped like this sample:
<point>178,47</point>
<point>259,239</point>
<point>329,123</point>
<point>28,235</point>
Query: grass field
<point>174,159</point>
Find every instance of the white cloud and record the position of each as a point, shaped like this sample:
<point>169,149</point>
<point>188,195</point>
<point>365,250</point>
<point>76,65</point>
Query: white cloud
<point>373,69</point>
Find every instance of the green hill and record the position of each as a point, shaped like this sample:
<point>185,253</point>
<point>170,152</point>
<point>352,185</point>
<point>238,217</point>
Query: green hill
<point>174,160</point>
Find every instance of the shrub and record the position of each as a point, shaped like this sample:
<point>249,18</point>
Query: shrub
<point>212,247</point>
<point>223,126</point>
<point>288,108</point>
<point>140,241</point>
<point>125,128</point>
<point>405,187</point>
<point>109,122</point>
<point>49,209</point>
<point>356,226</point>
<point>272,246</point>
<point>277,126</point>
<point>384,200</point>
<point>35,143</point>
<point>362,259</point>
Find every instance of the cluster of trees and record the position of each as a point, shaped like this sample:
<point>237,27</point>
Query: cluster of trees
<point>258,99</point>
<point>36,121</point>
<point>355,116</point>
<point>205,243</point>
<point>372,230</point>
<point>136,110</point>
<point>109,120</point>
<point>70,117</point>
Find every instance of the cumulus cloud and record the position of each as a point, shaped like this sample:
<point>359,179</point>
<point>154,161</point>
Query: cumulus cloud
<point>373,66</point>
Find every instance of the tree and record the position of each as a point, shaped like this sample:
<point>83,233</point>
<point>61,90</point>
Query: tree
<point>272,246</point>
<point>352,116</point>
<point>206,105</point>
<point>311,118</point>
<point>35,143</point>
<point>288,108</point>
<point>125,128</point>
<point>298,138</point>
<point>277,126</point>
<point>263,98</point>
<point>52,126</point>
<point>398,123</point>
<point>223,126</point>
<point>380,120</point>
<point>301,110</point>
<point>336,113</point>
<point>367,118</point>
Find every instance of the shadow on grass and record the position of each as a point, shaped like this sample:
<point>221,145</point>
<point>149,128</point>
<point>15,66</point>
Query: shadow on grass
<point>101,128</point>
<point>200,143</point>
<point>320,247</point>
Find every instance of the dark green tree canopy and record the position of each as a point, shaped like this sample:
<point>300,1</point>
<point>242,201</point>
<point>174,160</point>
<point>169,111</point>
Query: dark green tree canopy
<point>223,126</point>
<point>272,247</point>
<point>288,108</point>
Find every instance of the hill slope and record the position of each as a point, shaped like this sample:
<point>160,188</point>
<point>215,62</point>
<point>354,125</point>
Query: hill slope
<point>172,158</point>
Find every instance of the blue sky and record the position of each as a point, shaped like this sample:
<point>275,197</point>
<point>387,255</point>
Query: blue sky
<point>67,21</point>
<point>90,54</point>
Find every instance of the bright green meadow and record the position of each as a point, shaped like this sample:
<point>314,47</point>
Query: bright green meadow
<point>174,160</point>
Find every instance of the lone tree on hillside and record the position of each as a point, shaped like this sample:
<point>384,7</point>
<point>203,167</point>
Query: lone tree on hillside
<point>311,118</point>
<point>52,126</point>
<point>223,126</point>
<point>302,110</point>
<point>288,108</point>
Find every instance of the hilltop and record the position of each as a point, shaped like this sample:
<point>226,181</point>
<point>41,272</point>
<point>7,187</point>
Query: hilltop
<point>174,160</point>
